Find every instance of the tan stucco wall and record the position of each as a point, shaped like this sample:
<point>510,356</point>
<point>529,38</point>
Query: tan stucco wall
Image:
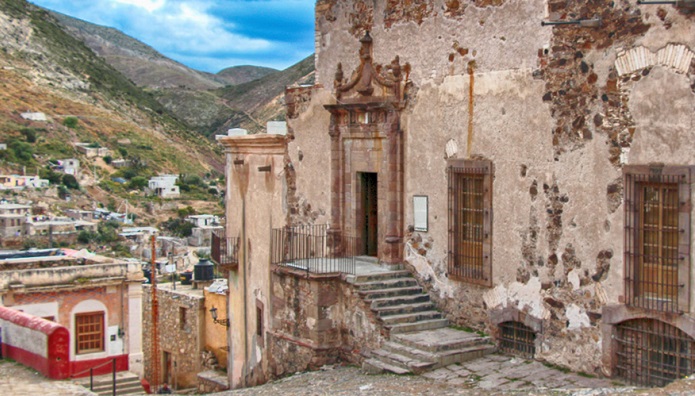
<point>254,207</point>
<point>216,334</point>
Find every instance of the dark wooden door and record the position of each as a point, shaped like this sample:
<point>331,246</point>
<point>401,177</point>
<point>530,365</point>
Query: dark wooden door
<point>370,212</point>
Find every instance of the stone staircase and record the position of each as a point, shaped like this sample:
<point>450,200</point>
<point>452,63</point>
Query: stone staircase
<point>127,383</point>
<point>419,337</point>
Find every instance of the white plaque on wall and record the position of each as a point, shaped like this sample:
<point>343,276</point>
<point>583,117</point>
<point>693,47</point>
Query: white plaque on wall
<point>420,212</point>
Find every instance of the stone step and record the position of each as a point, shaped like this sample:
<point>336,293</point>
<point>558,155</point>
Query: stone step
<point>403,309</point>
<point>375,366</point>
<point>370,295</point>
<point>415,366</point>
<point>379,276</point>
<point>411,317</point>
<point>442,339</point>
<point>417,326</point>
<point>119,384</point>
<point>387,284</point>
<point>367,259</point>
<point>400,300</point>
<point>133,389</point>
<point>442,358</point>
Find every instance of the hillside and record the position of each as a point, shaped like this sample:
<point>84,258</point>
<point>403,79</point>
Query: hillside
<point>242,74</point>
<point>136,60</point>
<point>43,69</point>
<point>239,96</point>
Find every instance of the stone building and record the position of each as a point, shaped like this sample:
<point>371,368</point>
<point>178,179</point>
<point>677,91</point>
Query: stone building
<point>536,178</point>
<point>98,299</point>
<point>12,219</point>
<point>190,342</point>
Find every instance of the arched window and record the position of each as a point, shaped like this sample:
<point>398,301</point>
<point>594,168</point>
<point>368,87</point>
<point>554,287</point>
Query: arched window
<point>517,339</point>
<point>653,353</point>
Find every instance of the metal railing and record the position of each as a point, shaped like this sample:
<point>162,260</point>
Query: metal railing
<point>313,249</point>
<point>224,250</point>
<point>91,374</point>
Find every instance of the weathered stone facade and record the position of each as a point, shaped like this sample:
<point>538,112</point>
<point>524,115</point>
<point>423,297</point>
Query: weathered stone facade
<point>558,110</point>
<point>181,329</point>
<point>317,320</point>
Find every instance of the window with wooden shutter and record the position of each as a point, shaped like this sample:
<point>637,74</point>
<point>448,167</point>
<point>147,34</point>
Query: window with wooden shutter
<point>657,237</point>
<point>470,221</point>
<point>89,332</point>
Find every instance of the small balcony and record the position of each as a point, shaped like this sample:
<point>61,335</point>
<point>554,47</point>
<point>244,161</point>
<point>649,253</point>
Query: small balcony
<point>314,249</point>
<point>224,251</point>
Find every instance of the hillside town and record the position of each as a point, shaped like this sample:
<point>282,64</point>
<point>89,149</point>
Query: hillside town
<point>483,196</point>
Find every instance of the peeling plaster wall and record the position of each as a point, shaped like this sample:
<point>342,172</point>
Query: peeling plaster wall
<point>558,110</point>
<point>317,321</point>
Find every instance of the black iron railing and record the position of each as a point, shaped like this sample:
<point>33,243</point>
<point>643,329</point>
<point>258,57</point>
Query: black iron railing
<point>112,362</point>
<point>224,250</point>
<point>314,249</point>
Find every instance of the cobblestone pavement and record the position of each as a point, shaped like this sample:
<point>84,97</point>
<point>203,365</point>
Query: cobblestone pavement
<point>488,376</point>
<point>18,380</point>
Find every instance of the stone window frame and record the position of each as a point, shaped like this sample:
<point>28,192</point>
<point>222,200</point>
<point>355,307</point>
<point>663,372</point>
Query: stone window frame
<point>480,271</point>
<point>89,332</point>
<point>183,312</point>
<point>636,178</point>
<point>259,323</point>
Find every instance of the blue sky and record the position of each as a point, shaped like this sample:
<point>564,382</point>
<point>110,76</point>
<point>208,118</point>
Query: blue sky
<point>207,35</point>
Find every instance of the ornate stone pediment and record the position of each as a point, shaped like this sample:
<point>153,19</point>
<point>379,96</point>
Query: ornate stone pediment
<point>371,81</point>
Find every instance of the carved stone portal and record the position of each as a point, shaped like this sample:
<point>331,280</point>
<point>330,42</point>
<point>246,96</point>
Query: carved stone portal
<point>367,156</point>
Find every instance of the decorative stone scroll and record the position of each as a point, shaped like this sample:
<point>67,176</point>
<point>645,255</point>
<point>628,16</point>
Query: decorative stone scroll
<point>372,79</point>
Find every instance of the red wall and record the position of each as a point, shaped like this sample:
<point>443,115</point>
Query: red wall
<point>54,362</point>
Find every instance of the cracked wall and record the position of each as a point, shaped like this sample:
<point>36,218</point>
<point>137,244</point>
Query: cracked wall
<point>558,110</point>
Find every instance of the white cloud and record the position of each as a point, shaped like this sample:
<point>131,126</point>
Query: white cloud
<point>207,34</point>
<point>149,5</point>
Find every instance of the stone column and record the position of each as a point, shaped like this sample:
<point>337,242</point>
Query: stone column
<point>337,196</point>
<point>393,238</point>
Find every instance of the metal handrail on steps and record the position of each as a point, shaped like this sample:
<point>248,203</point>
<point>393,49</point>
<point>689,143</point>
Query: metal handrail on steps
<point>91,374</point>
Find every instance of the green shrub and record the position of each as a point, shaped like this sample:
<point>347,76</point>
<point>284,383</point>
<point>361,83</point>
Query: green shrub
<point>71,122</point>
<point>108,159</point>
<point>29,134</point>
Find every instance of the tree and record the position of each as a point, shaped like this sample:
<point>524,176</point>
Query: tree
<point>108,159</point>
<point>22,151</point>
<point>138,183</point>
<point>70,182</point>
<point>29,134</point>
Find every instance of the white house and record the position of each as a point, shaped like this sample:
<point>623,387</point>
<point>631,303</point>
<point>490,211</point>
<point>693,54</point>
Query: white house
<point>164,186</point>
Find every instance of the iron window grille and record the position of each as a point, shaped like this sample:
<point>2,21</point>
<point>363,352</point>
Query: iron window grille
<point>653,353</point>
<point>89,332</point>
<point>516,338</point>
<point>470,221</point>
<point>657,237</point>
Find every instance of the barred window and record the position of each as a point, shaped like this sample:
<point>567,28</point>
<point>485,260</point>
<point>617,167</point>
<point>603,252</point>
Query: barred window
<point>470,221</point>
<point>657,237</point>
<point>89,332</point>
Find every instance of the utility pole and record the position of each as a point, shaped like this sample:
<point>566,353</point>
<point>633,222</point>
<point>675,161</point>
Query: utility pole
<point>155,319</point>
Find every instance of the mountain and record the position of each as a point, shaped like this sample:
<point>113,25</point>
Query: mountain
<point>44,69</point>
<point>139,62</point>
<point>242,74</point>
<point>240,96</point>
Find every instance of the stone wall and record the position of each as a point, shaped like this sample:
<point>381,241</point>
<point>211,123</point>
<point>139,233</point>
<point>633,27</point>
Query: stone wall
<point>558,110</point>
<point>180,329</point>
<point>317,320</point>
